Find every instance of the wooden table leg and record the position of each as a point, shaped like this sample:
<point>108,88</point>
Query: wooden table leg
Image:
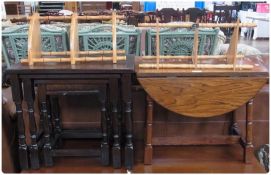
<point>234,130</point>
<point>104,144</point>
<point>148,143</point>
<point>116,151</point>
<point>16,88</point>
<point>55,114</point>
<point>29,96</point>
<point>47,147</point>
<point>248,151</point>
<point>127,103</point>
<point>39,94</point>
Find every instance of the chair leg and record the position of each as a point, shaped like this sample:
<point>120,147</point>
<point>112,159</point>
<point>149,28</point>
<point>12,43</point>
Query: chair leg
<point>248,150</point>
<point>148,143</point>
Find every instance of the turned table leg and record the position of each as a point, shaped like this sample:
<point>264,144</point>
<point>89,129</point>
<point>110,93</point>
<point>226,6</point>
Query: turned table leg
<point>104,144</point>
<point>29,96</point>
<point>47,147</point>
<point>16,88</point>
<point>127,103</point>
<point>116,151</point>
<point>55,114</point>
<point>234,130</point>
<point>148,142</point>
<point>248,151</point>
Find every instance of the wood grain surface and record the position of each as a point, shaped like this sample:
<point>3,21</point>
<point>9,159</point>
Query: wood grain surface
<point>202,97</point>
<point>34,39</point>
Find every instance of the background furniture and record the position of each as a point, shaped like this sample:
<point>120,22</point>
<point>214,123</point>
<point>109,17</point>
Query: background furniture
<point>46,6</point>
<point>195,14</point>
<point>225,14</point>
<point>262,21</point>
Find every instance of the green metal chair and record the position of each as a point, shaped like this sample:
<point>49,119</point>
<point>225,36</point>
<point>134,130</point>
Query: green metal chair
<point>180,41</point>
<point>96,36</point>
<point>14,41</point>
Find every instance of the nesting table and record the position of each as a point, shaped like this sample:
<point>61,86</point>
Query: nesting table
<point>112,82</point>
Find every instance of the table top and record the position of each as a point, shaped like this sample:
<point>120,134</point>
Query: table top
<point>260,69</point>
<point>80,67</point>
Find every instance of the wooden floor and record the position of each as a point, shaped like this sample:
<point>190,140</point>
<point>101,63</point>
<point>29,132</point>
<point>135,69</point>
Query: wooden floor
<point>184,159</point>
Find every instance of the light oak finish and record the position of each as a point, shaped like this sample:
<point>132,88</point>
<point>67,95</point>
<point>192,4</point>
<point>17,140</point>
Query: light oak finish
<point>157,43</point>
<point>81,52</point>
<point>61,18</point>
<point>34,39</point>
<point>232,50</point>
<point>195,48</point>
<point>193,66</point>
<point>231,54</point>
<point>189,24</point>
<point>81,59</point>
<point>114,36</point>
<point>204,96</point>
<point>34,47</point>
<point>74,39</point>
<point>200,57</point>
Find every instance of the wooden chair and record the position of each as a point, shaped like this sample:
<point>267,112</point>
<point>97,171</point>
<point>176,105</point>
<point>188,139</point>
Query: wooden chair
<point>180,41</point>
<point>168,15</point>
<point>195,14</point>
<point>23,9</point>
<point>150,17</point>
<point>15,38</point>
<point>225,14</point>
<point>94,37</point>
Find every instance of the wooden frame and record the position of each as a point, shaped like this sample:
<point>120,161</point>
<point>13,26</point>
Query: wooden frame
<point>34,41</point>
<point>233,138</point>
<point>231,55</point>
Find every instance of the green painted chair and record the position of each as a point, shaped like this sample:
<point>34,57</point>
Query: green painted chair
<point>180,41</point>
<point>99,37</point>
<point>14,41</point>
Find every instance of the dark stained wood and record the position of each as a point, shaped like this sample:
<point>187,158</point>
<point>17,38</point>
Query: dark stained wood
<point>86,68</point>
<point>55,115</point>
<point>29,96</point>
<point>105,137</point>
<point>47,147</point>
<point>116,150</point>
<point>17,98</point>
<point>191,96</point>
<point>55,75</point>
<point>148,143</point>
<point>76,153</point>
<point>81,134</point>
<point>196,140</point>
<point>127,103</point>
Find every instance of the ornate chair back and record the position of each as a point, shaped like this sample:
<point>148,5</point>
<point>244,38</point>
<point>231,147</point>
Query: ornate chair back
<point>14,41</point>
<point>99,37</point>
<point>180,41</point>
